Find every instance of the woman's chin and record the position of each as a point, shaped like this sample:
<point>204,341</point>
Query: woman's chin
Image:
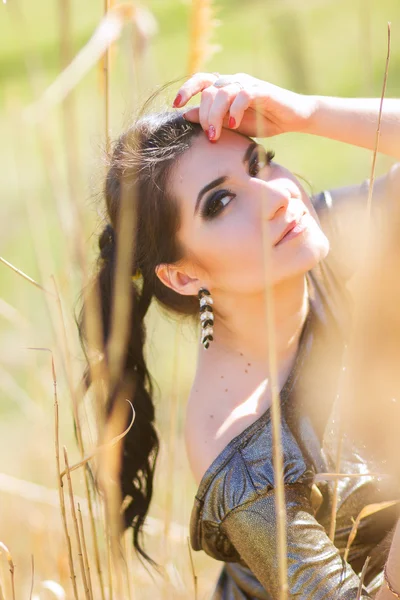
<point>309,255</point>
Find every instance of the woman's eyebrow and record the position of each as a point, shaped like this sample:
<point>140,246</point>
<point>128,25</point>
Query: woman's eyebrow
<point>221,180</point>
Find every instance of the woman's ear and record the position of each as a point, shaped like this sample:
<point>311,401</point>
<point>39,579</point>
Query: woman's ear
<point>177,279</point>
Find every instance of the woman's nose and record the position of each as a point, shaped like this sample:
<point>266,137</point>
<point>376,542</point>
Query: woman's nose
<point>276,195</point>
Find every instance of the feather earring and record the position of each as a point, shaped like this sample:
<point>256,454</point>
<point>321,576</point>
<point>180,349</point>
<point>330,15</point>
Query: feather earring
<point>206,317</point>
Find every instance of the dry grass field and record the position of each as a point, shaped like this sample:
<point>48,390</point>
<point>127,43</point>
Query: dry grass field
<point>52,168</point>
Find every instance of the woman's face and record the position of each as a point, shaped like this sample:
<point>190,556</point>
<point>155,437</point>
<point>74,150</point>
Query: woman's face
<point>221,219</point>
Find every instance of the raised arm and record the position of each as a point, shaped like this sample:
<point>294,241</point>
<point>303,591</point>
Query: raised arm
<point>315,569</point>
<point>259,108</point>
<point>354,121</point>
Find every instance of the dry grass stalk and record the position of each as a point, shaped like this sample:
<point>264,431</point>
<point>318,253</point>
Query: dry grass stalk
<point>69,116</point>
<point>278,465</point>
<point>3,576</point>
<point>126,565</point>
<point>2,596</point>
<point>32,577</point>
<point>193,570</point>
<point>102,447</point>
<point>106,83</point>
<point>108,31</point>
<point>366,45</point>
<point>19,272</point>
<point>121,299</point>
<point>109,556</point>
<point>60,483</point>
<point>365,248</point>
<point>10,565</point>
<point>70,130</point>
<point>76,527</point>
<point>59,480</point>
<point>277,440</point>
<point>368,510</point>
<point>335,495</point>
<point>363,573</point>
<point>339,399</point>
<point>85,554</point>
<point>107,475</point>
<point>172,425</point>
<point>97,374</point>
<point>378,131</point>
<point>68,367</point>
<point>202,26</point>
<point>279,487</point>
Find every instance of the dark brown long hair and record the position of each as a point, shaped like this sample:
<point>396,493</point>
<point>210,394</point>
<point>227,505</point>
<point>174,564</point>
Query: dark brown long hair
<point>143,156</point>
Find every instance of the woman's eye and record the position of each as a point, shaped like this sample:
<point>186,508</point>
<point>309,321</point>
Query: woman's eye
<point>260,160</point>
<point>216,203</point>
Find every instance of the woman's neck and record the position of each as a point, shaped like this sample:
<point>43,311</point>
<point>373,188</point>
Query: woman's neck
<point>240,327</point>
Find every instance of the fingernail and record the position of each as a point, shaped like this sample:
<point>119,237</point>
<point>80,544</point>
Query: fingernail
<point>177,100</point>
<point>232,122</point>
<point>211,132</point>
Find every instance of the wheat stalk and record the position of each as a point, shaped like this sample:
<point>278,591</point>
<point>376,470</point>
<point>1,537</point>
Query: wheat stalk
<point>108,31</point>
<point>202,26</point>
<point>127,573</point>
<point>171,452</point>
<point>193,570</point>
<point>26,277</point>
<point>363,573</point>
<point>10,566</point>
<point>378,131</point>
<point>32,576</point>
<point>109,444</point>
<point>106,84</point>
<point>76,527</point>
<point>60,483</point>
<point>85,555</point>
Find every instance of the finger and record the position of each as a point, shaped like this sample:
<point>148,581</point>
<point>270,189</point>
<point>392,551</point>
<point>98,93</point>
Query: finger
<point>238,107</point>
<point>197,83</point>
<point>207,100</point>
<point>192,114</point>
<point>220,107</point>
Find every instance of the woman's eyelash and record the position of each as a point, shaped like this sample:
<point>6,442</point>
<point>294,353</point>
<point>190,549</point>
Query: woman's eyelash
<point>268,156</point>
<point>208,211</point>
<point>210,208</point>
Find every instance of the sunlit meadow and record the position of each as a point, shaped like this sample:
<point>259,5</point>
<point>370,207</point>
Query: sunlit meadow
<point>52,168</point>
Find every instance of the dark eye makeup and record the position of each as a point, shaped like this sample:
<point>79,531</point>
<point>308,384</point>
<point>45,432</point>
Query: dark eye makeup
<point>214,203</point>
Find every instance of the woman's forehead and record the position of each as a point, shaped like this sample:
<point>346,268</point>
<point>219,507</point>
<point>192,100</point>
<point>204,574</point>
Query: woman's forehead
<point>205,161</point>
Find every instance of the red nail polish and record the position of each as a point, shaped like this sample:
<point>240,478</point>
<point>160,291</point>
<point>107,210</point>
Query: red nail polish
<point>177,100</point>
<point>211,132</point>
<point>232,122</point>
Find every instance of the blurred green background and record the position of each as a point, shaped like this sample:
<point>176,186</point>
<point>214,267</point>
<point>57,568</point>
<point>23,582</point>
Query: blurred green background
<point>313,46</point>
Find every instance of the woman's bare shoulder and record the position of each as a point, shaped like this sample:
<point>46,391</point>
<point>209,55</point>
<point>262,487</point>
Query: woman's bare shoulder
<point>201,425</point>
<point>220,406</point>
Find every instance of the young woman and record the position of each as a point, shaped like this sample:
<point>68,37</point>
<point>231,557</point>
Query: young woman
<point>203,192</point>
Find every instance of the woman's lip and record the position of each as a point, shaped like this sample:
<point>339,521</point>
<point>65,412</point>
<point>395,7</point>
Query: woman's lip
<point>290,227</point>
